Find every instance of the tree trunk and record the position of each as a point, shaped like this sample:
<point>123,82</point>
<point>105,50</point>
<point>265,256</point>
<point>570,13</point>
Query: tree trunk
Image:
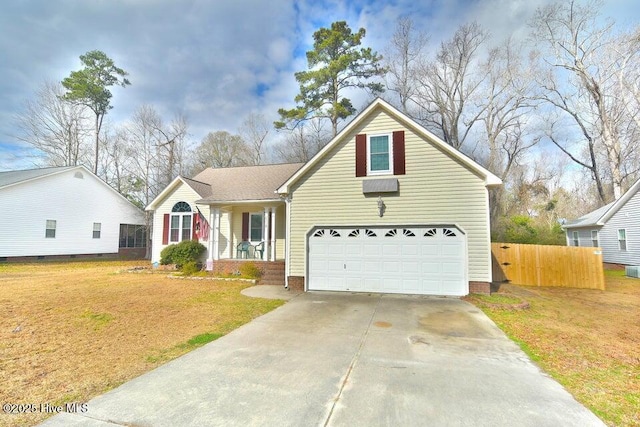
<point>95,164</point>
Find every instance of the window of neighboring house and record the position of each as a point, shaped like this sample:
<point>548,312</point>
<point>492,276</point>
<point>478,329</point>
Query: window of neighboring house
<point>50,231</point>
<point>380,151</point>
<point>133,236</point>
<point>576,241</point>
<point>96,230</point>
<point>180,224</point>
<point>255,227</point>
<point>622,239</point>
<point>594,238</point>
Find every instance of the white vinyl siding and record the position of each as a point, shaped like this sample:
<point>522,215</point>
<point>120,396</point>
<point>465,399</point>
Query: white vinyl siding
<point>627,218</point>
<point>582,236</point>
<point>182,193</point>
<point>435,190</point>
<point>74,203</point>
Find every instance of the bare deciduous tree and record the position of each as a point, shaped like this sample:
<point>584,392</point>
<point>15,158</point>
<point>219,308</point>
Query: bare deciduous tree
<point>586,56</point>
<point>401,58</point>
<point>447,84</point>
<point>303,143</point>
<point>55,127</point>
<point>221,150</point>
<point>505,108</point>
<point>254,130</point>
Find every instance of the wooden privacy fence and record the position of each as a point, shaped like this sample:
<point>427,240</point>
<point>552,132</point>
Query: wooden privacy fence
<point>541,265</point>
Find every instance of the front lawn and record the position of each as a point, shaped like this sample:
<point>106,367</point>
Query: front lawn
<point>72,330</point>
<point>588,340</point>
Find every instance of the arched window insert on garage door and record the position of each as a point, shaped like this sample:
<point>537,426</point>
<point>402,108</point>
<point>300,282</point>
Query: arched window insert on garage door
<point>449,233</point>
<point>326,233</point>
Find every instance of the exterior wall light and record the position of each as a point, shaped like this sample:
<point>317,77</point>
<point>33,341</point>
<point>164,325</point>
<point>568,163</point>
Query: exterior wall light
<point>381,207</point>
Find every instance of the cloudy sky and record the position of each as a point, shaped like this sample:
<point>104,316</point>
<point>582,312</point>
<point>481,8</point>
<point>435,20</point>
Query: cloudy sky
<point>213,61</point>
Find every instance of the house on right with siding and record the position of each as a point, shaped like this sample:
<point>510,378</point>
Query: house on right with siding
<point>614,227</point>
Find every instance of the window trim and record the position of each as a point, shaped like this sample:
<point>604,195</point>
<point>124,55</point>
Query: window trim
<point>179,210</point>
<point>47,228</point>
<point>98,231</point>
<point>261,215</point>
<point>389,170</point>
<point>595,242</point>
<point>181,226</point>
<point>626,246</point>
<point>576,239</point>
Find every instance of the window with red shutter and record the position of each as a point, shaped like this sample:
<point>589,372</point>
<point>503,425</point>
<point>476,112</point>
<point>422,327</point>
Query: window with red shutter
<point>398,153</point>
<point>361,155</point>
<point>165,230</point>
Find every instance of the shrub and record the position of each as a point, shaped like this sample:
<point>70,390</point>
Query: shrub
<point>250,270</point>
<point>182,253</point>
<point>166,256</point>
<point>190,268</point>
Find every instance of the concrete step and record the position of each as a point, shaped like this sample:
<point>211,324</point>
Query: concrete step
<point>271,282</point>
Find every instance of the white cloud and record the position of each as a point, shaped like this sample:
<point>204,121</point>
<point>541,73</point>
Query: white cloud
<point>214,61</point>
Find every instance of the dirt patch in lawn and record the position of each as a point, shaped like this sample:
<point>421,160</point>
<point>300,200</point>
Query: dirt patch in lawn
<point>70,331</point>
<point>588,340</point>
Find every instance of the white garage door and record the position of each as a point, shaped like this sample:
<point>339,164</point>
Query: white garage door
<point>407,260</point>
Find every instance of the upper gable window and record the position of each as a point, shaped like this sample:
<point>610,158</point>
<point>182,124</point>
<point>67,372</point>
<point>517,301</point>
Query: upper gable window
<point>380,149</point>
<point>181,207</point>
<point>380,154</point>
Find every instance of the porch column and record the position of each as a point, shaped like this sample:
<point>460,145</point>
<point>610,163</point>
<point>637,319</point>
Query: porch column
<point>232,247</point>
<point>215,232</point>
<point>210,243</point>
<point>273,233</point>
<point>265,234</point>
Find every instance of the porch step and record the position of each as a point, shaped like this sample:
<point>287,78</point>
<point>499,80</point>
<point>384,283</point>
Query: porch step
<point>277,282</point>
<point>272,273</point>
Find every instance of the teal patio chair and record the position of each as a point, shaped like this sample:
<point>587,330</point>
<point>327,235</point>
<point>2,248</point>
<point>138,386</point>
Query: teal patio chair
<point>242,250</point>
<point>258,250</point>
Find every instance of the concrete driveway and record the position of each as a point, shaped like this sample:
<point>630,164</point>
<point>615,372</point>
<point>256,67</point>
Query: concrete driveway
<point>339,359</point>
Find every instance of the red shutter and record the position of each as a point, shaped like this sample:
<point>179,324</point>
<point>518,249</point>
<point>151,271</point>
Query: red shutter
<point>165,230</point>
<point>245,226</point>
<point>361,155</point>
<point>194,235</point>
<point>398,153</point>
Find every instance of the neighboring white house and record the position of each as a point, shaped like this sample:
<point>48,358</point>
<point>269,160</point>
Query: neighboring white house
<point>385,207</point>
<point>66,211</point>
<point>614,227</point>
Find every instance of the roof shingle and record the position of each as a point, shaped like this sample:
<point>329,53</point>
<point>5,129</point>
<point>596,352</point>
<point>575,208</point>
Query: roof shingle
<point>243,183</point>
<point>13,177</point>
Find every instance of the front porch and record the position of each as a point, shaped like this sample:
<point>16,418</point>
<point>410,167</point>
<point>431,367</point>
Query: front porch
<point>273,272</point>
<point>245,231</point>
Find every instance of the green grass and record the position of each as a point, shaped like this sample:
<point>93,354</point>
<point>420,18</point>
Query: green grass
<point>182,348</point>
<point>499,298</point>
<point>87,326</point>
<point>615,273</point>
<point>585,339</point>
<point>202,339</point>
<point>97,320</point>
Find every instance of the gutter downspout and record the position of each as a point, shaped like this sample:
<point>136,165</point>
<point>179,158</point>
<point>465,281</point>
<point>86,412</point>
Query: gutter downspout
<point>287,246</point>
